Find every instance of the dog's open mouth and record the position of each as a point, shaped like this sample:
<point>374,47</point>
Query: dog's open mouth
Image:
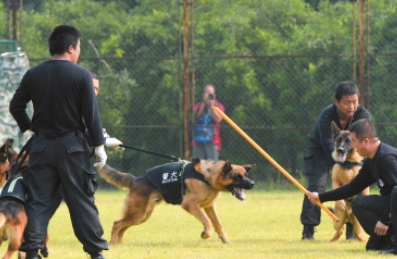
<point>238,193</point>
<point>342,157</point>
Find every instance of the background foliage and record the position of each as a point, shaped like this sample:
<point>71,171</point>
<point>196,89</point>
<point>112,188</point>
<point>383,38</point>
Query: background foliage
<point>274,64</point>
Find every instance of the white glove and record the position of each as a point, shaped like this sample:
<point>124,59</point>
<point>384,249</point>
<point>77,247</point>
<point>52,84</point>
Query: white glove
<point>100,157</point>
<point>113,142</point>
<point>105,134</point>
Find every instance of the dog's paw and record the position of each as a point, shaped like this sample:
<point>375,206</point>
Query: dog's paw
<point>225,240</point>
<point>44,252</point>
<point>205,235</point>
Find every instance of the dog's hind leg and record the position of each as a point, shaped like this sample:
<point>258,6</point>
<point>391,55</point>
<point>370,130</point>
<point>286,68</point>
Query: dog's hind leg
<point>137,212</point>
<point>15,241</point>
<point>211,213</point>
<point>120,226</point>
<point>125,225</point>
<point>193,208</point>
<point>365,191</point>
<point>358,230</point>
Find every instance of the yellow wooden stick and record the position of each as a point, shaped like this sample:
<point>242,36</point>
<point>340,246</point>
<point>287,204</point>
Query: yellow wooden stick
<point>271,160</point>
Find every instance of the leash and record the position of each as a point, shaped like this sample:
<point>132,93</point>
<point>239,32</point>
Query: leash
<point>23,154</point>
<point>176,159</point>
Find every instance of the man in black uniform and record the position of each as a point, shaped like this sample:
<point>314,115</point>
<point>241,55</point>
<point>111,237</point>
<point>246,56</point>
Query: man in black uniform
<point>380,166</point>
<point>318,159</point>
<point>63,96</point>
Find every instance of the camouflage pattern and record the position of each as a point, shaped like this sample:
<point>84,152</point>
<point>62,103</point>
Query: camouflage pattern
<point>13,66</point>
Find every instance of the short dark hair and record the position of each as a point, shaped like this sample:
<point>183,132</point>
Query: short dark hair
<point>363,128</point>
<point>94,76</point>
<point>345,88</point>
<point>61,38</point>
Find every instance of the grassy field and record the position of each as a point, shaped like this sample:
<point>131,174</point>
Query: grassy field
<point>266,225</point>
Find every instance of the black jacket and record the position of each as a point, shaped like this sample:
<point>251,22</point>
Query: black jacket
<point>321,140</point>
<point>381,169</point>
<point>62,95</point>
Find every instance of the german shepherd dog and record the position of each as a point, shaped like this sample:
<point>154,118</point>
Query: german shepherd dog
<point>13,218</point>
<point>143,196</point>
<point>347,164</point>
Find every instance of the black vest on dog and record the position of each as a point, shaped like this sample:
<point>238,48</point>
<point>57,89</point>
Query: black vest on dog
<point>15,187</point>
<point>169,179</point>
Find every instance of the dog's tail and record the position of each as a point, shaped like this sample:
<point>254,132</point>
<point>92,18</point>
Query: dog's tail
<point>119,179</point>
<point>3,219</point>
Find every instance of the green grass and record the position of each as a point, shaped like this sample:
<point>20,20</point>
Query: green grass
<point>265,225</point>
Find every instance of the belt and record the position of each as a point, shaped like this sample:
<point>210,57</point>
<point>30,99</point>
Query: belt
<point>76,133</point>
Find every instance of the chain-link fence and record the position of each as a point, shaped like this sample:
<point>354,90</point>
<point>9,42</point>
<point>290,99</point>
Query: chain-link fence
<point>274,65</point>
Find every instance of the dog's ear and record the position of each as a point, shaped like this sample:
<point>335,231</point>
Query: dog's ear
<point>334,128</point>
<point>8,145</point>
<point>3,148</point>
<point>196,163</point>
<point>195,159</point>
<point>10,141</point>
<point>248,167</point>
<point>3,154</point>
<point>227,167</point>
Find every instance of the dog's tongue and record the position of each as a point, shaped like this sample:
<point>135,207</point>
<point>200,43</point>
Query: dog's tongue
<point>239,193</point>
<point>342,157</point>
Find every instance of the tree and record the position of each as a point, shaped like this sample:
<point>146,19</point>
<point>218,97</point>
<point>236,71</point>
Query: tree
<point>274,64</point>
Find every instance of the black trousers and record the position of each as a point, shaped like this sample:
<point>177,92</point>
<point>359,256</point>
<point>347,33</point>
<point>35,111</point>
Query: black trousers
<point>62,161</point>
<point>317,177</point>
<point>368,210</point>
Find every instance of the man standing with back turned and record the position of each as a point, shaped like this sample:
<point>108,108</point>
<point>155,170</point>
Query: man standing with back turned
<point>318,159</point>
<point>62,94</point>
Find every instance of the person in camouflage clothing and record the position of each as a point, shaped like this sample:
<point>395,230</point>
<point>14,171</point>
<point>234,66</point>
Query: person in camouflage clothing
<point>13,66</point>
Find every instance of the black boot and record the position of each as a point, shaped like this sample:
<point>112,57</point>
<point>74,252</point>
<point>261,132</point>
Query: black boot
<point>349,232</point>
<point>374,243</point>
<point>97,255</point>
<point>33,254</point>
<point>390,247</point>
<point>308,232</point>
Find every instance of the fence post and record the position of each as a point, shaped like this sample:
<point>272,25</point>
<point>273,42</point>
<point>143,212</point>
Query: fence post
<point>187,78</point>
<point>362,58</point>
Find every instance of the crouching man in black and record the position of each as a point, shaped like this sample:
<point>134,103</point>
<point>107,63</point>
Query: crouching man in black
<point>377,214</point>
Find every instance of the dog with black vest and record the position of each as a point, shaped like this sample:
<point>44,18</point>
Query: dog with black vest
<point>195,185</point>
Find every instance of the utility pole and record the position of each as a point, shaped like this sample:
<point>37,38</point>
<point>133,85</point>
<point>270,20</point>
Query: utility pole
<point>20,24</point>
<point>354,43</point>
<point>14,20</point>
<point>187,78</point>
<point>361,54</point>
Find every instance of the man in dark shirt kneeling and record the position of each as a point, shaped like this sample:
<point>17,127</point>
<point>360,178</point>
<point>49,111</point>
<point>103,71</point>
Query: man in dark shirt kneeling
<point>376,213</point>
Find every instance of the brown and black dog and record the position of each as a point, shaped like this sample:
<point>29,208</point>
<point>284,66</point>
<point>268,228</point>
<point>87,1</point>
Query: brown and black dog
<point>13,218</point>
<point>347,164</point>
<point>201,184</point>
<point>7,157</point>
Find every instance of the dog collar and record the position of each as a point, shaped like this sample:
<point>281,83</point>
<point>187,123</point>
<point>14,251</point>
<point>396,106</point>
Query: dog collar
<point>349,164</point>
